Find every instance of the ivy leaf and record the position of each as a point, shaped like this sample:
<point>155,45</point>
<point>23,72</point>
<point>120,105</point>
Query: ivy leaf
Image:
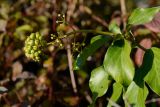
<point>96,43</point>
<point>98,82</point>
<point>117,62</point>
<point>117,91</point>
<point>142,15</point>
<point>153,75</point>
<point>136,95</point>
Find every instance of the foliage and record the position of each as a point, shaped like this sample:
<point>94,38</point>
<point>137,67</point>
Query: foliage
<point>118,64</point>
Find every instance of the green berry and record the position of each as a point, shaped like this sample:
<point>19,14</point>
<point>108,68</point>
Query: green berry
<point>32,36</point>
<point>36,54</point>
<point>36,42</point>
<point>32,51</point>
<point>34,46</point>
<point>37,35</point>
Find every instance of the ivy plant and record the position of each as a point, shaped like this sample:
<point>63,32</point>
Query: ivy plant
<point>130,83</point>
<point>118,67</point>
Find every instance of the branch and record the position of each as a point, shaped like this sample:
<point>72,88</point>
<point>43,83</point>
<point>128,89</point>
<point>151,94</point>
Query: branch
<point>123,7</point>
<point>123,10</point>
<point>69,55</point>
<point>91,31</point>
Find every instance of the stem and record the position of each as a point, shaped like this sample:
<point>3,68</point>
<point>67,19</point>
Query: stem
<point>137,44</point>
<point>69,55</point>
<point>88,97</point>
<point>123,10</point>
<point>91,31</point>
<point>123,7</point>
<point>144,49</point>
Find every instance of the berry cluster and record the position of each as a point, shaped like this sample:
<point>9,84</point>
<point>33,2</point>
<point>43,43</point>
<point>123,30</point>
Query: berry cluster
<point>34,45</point>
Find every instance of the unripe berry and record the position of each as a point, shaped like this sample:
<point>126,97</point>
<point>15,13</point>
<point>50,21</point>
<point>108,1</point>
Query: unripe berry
<point>34,46</point>
<point>32,36</point>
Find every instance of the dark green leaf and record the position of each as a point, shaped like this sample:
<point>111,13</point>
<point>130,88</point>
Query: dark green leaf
<point>117,62</point>
<point>142,15</point>
<point>153,76</point>
<point>98,82</point>
<point>136,95</point>
<point>96,43</point>
<point>117,91</point>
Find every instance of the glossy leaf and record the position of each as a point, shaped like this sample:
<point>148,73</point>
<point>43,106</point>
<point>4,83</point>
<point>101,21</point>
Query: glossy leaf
<point>136,95</point>
<point>153,76</point>
<point>117,91</point>
<point>142,15</point>
<point>98,82</point>
<point>96,43</point>
<point>117,62</point>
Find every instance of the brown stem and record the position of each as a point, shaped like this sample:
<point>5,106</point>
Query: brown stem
<point>123,10</point>
<point>123,7</point>
<point>69,55</point>
<point>88,97</point>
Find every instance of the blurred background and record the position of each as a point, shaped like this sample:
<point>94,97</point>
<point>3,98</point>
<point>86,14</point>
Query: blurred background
<point>47,83</point>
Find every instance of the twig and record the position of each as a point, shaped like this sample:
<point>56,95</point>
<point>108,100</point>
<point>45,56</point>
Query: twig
<point>152,100</point>
<point>123,7</point>
<point>123,10</point>
<point>91,31</point>
<point>88,98</point>
<point>69,55</point>
<point>141,47</point>
<point>71,7</point>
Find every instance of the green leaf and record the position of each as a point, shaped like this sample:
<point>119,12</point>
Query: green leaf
<point>117,62</point>
<point>117,91</point>
<point>113,27</point>
<point>142,15</point>
<point>96,43</point>
<point>136,95</point>
<point>153,74</point>
<point>98,82</point>
<point>137,91</point>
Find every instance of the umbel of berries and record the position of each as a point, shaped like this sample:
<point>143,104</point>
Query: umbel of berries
<point>34,46</point>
